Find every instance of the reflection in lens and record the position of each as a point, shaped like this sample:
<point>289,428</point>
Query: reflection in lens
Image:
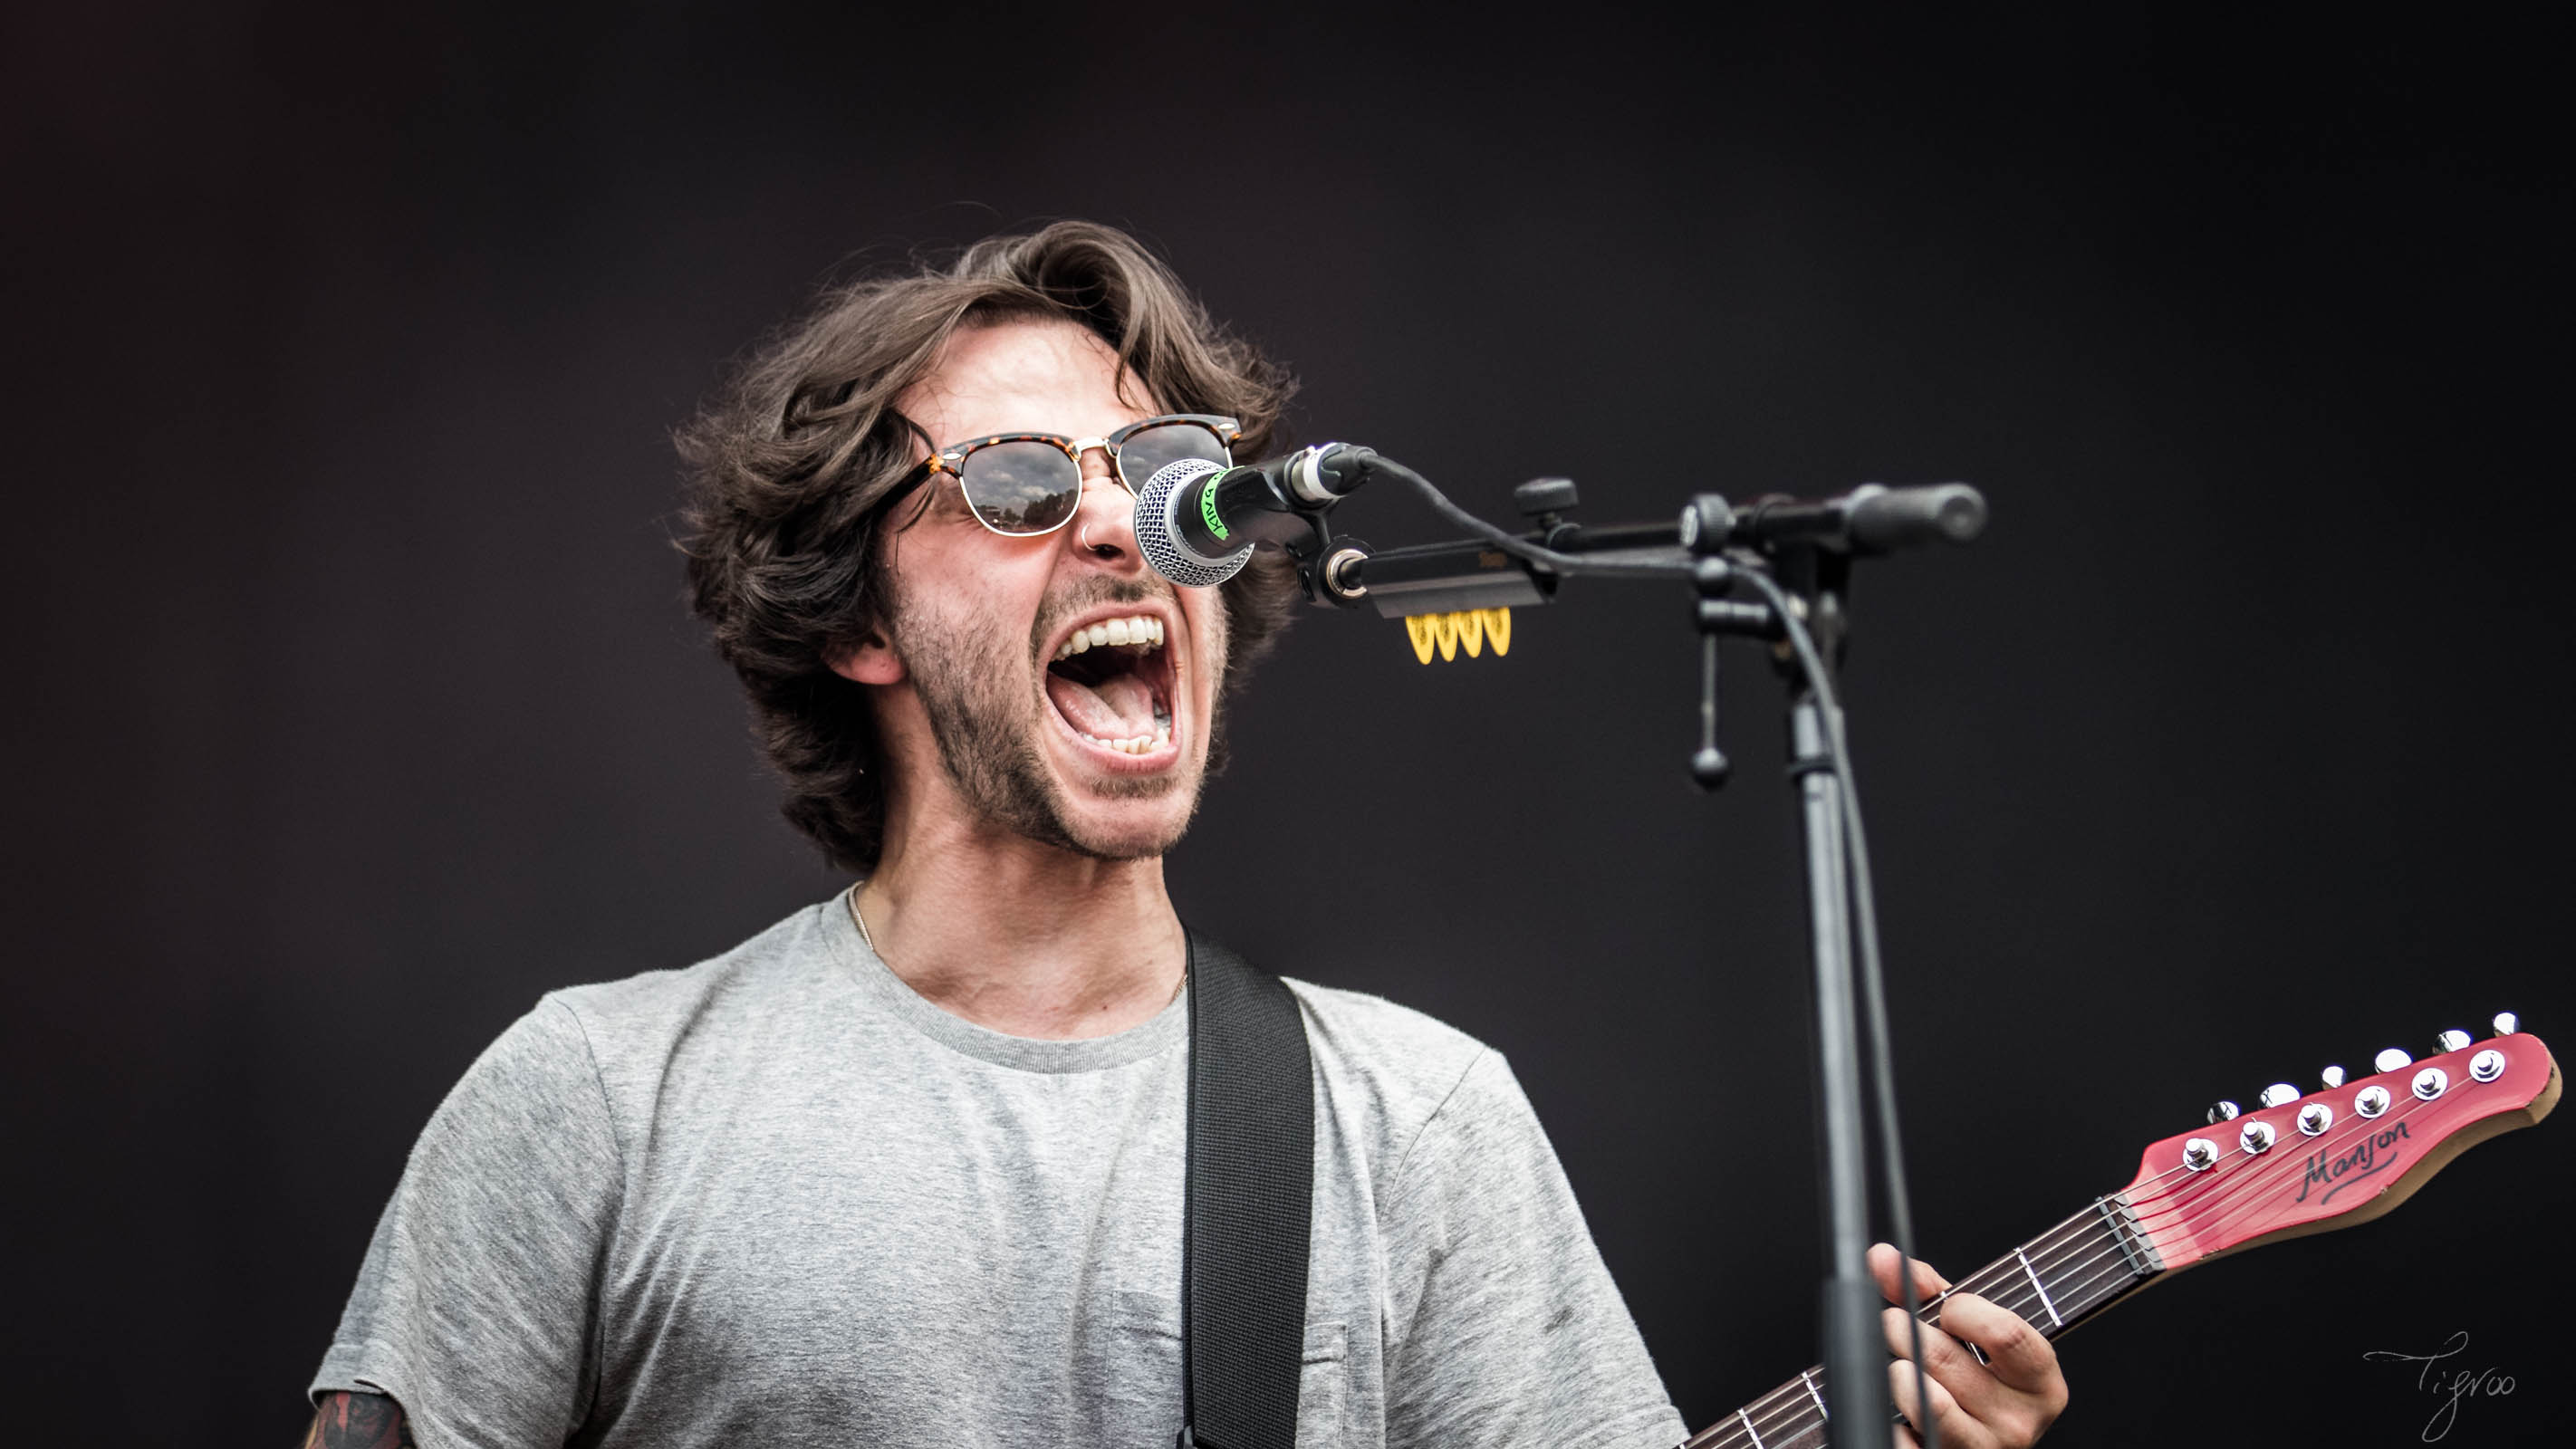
<point>1022,487</point>
<point>1146,453</point>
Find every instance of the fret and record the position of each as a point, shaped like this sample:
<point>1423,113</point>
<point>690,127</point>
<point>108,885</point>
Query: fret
<point>1779,1419</point>
<point>2120,1218</point>
<point>2001,1283</point>
<point>2042,1289</point>
<point>2107,1259</point>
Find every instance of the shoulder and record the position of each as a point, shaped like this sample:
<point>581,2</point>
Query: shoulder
<point>562,1088</point>
<point>653,1011</point>
<point>1405,1051</point>
<point>1393,1072</point>
<point>630,1040</point>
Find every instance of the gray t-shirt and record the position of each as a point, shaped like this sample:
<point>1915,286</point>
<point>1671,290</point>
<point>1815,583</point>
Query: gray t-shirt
<point>780,1199</point>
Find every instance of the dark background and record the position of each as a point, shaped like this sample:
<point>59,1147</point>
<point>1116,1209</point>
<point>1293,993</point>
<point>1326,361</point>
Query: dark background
<point>354,705</point>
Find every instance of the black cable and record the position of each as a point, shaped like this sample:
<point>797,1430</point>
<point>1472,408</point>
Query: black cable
<point>1873,985</point>
<point>1514,544</point>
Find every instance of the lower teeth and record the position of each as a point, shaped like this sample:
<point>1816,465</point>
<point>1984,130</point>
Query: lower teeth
<point>1137,745</point>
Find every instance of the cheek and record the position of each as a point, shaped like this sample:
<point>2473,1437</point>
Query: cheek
<point>972,596</point>
<point>960,638</point>
<point>1209,626</point>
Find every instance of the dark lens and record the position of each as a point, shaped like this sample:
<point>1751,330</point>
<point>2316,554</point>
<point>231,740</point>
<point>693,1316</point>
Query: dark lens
<point>1153,449</point>
<point>1021,487</point>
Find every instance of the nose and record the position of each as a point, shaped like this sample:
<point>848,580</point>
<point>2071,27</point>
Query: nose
<point>1103,531</point>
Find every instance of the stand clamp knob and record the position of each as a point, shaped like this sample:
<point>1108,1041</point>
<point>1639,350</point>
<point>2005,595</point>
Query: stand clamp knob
<point>1707,523</point>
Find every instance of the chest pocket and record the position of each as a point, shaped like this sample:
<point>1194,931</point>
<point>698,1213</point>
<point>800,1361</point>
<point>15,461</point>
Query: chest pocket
<point>1148,1350</point>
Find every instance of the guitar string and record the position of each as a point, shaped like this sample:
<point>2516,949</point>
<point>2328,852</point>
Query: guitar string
<point>2218,1204</point>
<point>2152,1198</point>
<point>1768,1425</point>
<point>2219,1201</point>
<point>2056,1240</point>
<point>2164,1202</point>
<point>1768,1422</point>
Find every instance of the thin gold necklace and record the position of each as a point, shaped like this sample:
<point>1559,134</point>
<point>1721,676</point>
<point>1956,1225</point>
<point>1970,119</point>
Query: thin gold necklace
<point>860,921</point>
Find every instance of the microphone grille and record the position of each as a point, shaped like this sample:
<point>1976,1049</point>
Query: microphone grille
<point>1159,539</point>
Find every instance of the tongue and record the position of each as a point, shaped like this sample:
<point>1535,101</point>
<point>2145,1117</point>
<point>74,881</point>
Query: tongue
<point>1120,707</point>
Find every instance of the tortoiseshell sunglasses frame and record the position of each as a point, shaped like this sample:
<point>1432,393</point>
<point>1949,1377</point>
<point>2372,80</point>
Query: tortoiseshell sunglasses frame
<point>951,460</point>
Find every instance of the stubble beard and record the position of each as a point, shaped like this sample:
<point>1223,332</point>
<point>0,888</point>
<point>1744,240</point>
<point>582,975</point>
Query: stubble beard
<point>969,683</point>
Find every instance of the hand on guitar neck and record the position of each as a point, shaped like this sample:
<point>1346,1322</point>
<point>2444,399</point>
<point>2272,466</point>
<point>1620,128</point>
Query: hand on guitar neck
<point>2002,1395</point>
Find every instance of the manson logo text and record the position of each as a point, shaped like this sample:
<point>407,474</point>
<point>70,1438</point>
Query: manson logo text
<point>2335,1172</point>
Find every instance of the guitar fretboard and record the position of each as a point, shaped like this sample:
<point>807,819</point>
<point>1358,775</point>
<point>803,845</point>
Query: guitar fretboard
<point>2054,1281</point>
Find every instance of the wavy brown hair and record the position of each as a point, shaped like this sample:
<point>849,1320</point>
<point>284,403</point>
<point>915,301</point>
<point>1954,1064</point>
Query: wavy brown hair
<point>792,465</point>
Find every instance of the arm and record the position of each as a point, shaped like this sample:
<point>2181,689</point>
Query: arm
<point>357,1421</point>
<point>475,1302</point>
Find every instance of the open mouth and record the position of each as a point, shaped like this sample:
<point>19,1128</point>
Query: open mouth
<point>1111,680</point>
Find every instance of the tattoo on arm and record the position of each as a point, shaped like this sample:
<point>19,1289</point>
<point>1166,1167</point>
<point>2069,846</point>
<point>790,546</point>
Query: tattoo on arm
<point>358,1421</point>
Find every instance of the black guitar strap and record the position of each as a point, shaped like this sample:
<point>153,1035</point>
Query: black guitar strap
<point>1249,1205</point>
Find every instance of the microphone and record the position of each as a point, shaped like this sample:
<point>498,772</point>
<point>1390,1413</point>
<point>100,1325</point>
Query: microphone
<point>1196,522</point>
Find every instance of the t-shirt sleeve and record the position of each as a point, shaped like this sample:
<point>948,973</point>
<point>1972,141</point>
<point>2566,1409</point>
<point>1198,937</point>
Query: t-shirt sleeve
<point>1504,1327</point>
<point>474,1306</point>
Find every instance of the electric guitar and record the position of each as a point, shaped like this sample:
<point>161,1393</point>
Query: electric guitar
<point>2298,1164</point>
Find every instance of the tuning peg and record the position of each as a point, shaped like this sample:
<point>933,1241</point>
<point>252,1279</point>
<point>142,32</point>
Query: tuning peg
<point>2279,1094</point>
<point>2333,1077</point>
<point>2221,1111</point>
<point>2450,1041</point>
<point>2506,1024</point>
<point>2390,1060</point>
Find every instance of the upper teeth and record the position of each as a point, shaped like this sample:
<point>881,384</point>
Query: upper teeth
<point>1142,629</point>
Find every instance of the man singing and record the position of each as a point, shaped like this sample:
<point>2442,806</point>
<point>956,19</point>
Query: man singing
<point>906,1168</point>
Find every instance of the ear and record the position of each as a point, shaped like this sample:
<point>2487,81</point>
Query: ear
<point>870,661</point>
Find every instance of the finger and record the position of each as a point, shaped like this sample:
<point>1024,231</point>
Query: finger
<point>1883,1259</point>
<point>1959,1378</point>
<point>1905,1438</point>
<point>1958,1431</point>
<point>1941,1352</point>
<point>2018,1355</point>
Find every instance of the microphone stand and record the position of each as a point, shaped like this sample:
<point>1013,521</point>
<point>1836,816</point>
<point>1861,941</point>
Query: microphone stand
<point>1815,580</point>
<point>1806,550</point>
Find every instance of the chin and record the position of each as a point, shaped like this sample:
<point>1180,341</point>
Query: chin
<point>1125,845</point>
<point>1115,819</point>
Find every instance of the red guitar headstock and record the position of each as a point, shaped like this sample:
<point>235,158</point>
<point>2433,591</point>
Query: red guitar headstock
<point>2336,1156</point>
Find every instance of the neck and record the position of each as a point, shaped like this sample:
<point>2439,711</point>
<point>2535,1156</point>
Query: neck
<point>1024,938</point>
<point>2055,1281</point>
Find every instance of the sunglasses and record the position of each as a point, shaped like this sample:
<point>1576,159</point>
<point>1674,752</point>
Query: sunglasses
<point>1024,484</point>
